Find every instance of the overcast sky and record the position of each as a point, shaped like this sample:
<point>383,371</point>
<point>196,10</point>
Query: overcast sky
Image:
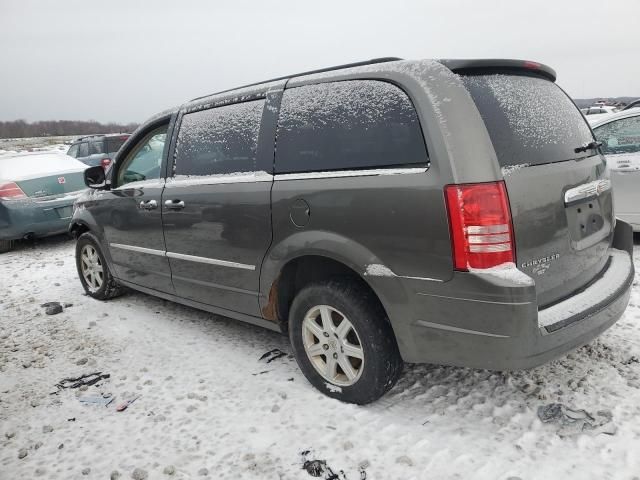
<point>124,60</point>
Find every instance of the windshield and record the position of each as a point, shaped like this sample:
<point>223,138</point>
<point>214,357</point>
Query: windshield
<point>530,120</point>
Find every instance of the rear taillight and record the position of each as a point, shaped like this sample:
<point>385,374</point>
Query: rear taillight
<point>480,223</point>
<point>11,191</point>
<point>105,162</point>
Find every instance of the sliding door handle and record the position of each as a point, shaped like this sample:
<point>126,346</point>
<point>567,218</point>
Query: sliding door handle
<point>148,205</point>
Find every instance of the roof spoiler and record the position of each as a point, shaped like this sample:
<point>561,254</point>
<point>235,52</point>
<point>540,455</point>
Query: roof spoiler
<point>486,65</point>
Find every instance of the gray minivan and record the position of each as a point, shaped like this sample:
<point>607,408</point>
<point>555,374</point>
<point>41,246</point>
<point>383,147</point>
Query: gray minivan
<point>453,212</point>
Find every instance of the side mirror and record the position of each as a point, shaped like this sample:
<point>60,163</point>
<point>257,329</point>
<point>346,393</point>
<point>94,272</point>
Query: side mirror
<point>94,177</point>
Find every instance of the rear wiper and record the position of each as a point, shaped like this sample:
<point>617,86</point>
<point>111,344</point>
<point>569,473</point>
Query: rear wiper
<point>589,146</point>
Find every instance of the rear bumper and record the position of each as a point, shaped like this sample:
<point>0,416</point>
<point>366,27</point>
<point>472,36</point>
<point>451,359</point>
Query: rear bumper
<point>19,218</point>
<point>493,321</point>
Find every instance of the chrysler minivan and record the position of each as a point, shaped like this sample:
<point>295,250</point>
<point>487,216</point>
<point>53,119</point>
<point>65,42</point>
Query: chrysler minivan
<point>452,211</point>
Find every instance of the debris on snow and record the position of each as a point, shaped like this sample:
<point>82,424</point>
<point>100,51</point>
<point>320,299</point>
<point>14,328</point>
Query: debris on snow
<point>84,380</point>
<point>272,355</point>
<point>320,469</point>
<point>573,422</point>
<point>124,405</point>
<point>53,309</point>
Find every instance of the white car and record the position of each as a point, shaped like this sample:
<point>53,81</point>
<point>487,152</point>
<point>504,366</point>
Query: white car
<point>620,137</point>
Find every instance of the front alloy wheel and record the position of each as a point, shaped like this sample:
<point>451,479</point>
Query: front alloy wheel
<point>93,270</point>
<point>91,267</point>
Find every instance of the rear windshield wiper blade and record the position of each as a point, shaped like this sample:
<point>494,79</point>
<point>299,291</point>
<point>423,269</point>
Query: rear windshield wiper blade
<point>588,146</point>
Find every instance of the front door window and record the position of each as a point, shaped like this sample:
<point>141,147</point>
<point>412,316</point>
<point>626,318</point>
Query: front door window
<point>144,162</point>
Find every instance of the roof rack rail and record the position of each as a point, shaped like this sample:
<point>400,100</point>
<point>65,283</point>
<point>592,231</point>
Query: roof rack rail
<point>320,70</point>
<point>90,136</point>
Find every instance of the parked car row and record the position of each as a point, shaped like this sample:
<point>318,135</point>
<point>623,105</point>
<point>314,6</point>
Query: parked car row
<point>37,192</point>
<point>454,212</point>
<point>620,137</point>
<point>97,149</point>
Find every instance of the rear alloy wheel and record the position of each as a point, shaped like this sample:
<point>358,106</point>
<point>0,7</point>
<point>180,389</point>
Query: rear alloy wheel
<point>93,270</point>
<point>332,345</point>
<point>343,341</point>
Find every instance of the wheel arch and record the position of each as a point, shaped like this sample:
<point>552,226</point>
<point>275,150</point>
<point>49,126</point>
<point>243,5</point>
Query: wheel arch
<point>307,257</point>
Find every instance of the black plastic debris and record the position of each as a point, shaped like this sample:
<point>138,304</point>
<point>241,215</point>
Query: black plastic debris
<point>315,468</point>
<point>272,355</point>
<point>320,469</point>
<point>53,308</point>
<point>88,379</point>
<point>573,422</point>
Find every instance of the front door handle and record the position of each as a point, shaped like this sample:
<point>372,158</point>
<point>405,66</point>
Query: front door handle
<point>148,205</point>
<point>174,204</point>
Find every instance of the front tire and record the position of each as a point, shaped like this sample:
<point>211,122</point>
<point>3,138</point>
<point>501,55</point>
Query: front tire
<point>343,341</point>
<point>93,270</point>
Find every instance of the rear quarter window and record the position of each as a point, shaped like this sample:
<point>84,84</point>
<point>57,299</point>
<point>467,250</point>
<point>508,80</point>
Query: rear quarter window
<point>530,120</point>
<point>347,125</point>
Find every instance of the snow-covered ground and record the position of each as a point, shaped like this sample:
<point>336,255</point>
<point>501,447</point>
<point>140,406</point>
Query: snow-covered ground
<point>208,407</point>
<point>31,144</point>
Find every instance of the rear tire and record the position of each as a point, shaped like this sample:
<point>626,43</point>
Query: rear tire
<point>355,362</point>
<point>93,270</point>
<point>6,246</point>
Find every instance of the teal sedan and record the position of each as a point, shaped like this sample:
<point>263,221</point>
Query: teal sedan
<point>37,192</point>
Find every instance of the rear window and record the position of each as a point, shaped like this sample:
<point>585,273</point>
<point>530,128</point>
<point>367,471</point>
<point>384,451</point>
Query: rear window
<point>530,120</point>
<point>114,144</point>
<point>347,125</point>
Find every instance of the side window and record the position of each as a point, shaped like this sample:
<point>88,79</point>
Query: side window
<point>620,136</point>
<point>219,141</point>
<point>144,161</point>
<point>96,147</point>
<point>83,150</point>
<point>348,125</point>
<point>73,151</point>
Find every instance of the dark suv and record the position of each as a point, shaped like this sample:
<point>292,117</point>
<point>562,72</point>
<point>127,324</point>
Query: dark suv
<point>452,211</point>
<point>97,149</point>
